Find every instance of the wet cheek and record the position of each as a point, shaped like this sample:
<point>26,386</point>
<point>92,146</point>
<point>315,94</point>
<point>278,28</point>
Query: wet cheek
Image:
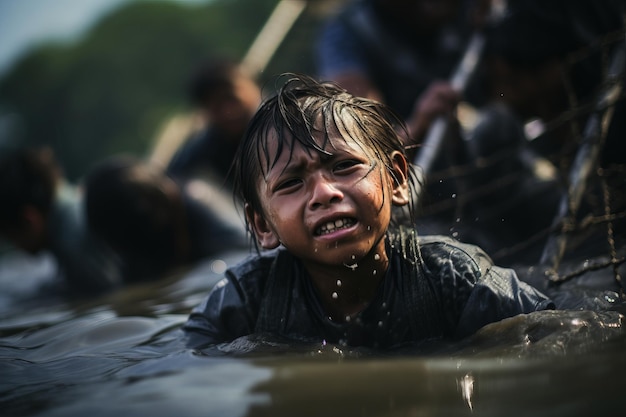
<point>284,213</point>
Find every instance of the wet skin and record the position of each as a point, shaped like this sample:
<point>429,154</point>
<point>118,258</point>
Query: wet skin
<point>332,212</point>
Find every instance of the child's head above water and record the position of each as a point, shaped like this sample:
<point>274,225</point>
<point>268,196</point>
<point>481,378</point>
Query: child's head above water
<point>319,171</point>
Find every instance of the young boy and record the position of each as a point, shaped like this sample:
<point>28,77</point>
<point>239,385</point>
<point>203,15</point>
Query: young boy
<point>320,171</point>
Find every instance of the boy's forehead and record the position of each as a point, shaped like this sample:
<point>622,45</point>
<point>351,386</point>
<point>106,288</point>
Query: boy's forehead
<point>327,138</point>
<point>329,142</point>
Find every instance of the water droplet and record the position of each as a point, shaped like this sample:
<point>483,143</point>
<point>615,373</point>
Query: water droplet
<point>348,318</point>
<point>374,272</point>
<point>458,219</point>
<point>455,234</point>
<point>380,323</point>
<point>377,257</point>
<point>353,267</point>
<point>339,283</point>
<point>369,228</point>
<point>335,296</point>
<point>218,266</point>
<point>453,195</point>
<point>353,257</point>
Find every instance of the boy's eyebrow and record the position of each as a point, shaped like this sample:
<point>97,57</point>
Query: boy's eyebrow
<point>295,166</point>
<point>292,167</point>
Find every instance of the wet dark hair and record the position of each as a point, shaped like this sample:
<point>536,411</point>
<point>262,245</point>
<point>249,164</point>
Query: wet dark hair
<point>289,118</point>
<point>28,176</point>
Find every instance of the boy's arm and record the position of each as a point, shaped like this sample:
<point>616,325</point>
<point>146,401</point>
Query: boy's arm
<point>230,310</point>
<point>221,317</point>
<point>473,290</point>
<point>497,295</point>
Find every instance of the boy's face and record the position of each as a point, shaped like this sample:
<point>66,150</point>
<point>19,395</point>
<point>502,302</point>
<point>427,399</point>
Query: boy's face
<point>328,210</point>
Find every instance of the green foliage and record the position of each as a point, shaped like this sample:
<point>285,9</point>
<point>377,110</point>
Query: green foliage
<point>112,91</point>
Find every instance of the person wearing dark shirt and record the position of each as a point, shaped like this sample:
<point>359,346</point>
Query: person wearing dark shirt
<point>319,171</point>
<point>401,52</point>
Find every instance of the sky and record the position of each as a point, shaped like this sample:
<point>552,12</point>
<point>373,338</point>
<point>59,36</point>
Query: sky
<point>24,24</point>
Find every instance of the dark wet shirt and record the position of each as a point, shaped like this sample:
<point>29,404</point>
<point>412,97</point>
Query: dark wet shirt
<point>461,291</point>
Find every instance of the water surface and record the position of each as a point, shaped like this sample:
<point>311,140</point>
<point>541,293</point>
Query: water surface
<point>123,354</point>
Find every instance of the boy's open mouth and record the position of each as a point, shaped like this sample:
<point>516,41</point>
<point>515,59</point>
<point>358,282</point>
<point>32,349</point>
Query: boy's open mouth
<point>334,225</point>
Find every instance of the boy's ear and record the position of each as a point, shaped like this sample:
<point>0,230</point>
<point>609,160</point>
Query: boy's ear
<point>261,229</point>
<point>400,193</point>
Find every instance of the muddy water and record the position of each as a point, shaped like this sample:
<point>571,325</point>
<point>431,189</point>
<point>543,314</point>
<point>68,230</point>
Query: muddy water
<point>123,354</point>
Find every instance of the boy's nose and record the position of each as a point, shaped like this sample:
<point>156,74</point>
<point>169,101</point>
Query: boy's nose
<point>323,192</point>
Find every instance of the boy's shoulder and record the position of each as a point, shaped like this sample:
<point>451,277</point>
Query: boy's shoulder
<point>407,239</point>
<point>441,242</point>
<point>442,256</point>
<point>438,248</point>
<point>254,266</point>
<point>437,276</point>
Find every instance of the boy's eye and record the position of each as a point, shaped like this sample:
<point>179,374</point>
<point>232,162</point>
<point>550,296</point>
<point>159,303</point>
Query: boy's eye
<point>289,183</point>
<point>346,164</point>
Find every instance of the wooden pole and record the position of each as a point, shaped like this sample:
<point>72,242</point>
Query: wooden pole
<point>272,35</point>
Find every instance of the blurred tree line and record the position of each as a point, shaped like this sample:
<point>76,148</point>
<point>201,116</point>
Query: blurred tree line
<point>112,91</point>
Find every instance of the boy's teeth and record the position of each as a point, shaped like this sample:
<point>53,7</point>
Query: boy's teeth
<point>334,225</point>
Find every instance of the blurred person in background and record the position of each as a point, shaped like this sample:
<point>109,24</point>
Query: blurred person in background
<point>42,212</point>
<point>227,99</point>
<point>400,52</point>
<point>155,224</point>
